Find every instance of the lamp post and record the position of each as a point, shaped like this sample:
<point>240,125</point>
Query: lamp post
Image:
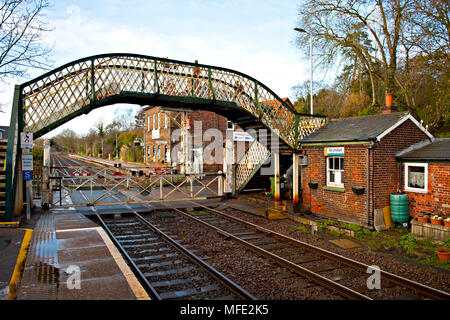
<point>310,64</point>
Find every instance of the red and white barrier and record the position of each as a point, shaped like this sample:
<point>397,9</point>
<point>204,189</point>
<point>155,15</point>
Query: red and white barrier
<point>80,174</point>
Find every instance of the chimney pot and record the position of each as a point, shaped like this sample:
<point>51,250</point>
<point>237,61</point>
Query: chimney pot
<point>388,99</point>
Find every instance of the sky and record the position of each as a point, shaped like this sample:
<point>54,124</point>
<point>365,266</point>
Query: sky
<point>255,37</point>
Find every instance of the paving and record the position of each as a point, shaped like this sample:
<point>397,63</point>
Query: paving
<point>69,258</point>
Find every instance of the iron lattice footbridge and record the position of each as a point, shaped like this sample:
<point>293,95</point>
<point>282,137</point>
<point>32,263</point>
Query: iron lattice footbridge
<point>76,88</point>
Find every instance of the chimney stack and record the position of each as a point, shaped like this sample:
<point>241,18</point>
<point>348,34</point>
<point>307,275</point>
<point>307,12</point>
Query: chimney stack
<point>388,108</point>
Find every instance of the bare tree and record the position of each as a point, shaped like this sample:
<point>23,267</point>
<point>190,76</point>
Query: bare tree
<point>368,31</point>
<point>21,37</point>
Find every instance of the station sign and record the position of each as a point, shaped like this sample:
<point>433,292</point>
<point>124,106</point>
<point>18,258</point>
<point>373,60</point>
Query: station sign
<point>242,136</point>
<point>334,151</point>
<point>27,166</point>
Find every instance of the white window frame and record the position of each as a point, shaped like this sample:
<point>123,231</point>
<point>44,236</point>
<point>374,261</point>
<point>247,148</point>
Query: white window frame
<point>159,120</point>
<point>166,121</point>
<point>148,123</point>
<point>334,184</point>
<point>425,179</point>
<point>154,122</point>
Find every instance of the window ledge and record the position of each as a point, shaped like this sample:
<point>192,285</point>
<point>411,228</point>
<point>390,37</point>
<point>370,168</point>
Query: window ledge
<point>416,190</point>
<point>337,189</point>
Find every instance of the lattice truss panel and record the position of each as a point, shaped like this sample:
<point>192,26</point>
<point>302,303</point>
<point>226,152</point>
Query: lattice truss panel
<point>77,86</point>
<point>250,163</point>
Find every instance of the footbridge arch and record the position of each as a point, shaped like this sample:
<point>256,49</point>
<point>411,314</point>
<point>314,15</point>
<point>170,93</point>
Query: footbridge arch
<point>48,101</point>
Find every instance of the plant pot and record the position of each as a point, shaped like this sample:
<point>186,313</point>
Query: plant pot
<point>422,219</point>
<point>358,190</point>
<point>436,221</point>
<point>443,253</point>
<point>447,223</point>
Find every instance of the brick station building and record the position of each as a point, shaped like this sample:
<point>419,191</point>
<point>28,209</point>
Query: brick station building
<point>426,177</point>
<point>159,128</point>
<point>160,137</point>
<point>352,168</point>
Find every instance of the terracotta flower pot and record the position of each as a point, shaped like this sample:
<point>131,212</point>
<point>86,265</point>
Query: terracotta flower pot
<point>443,253</point>
<point>447,223</point>
<point>423,219</point>
<point>436,221</point>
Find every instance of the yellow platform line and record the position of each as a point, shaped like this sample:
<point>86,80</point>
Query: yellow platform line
<point>20,265</point>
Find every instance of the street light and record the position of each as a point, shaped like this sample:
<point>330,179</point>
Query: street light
<point>310,63</point>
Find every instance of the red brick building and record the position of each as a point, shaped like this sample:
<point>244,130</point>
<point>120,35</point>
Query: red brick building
<point>352,168</point>
<point>161,138</point>
<point>426,177</point>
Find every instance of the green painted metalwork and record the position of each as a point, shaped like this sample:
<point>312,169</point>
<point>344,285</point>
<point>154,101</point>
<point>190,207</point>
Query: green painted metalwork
<point>80,86</point>
<point>13,155</point>
<point>120,77</point>
<point>210,85</point>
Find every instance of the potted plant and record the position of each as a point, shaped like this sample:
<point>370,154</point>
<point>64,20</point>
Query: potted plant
<point>423,218</point>
<point>443,253</point>
<point>447,222</point>
<point>436,220</point>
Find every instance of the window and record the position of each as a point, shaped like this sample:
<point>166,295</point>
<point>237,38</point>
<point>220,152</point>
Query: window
<point>166,121</point>
<point>230,125</point>
<point>335,171</point>
<point>148,123</point>
<point>154,121</point>
<point>416,177</point>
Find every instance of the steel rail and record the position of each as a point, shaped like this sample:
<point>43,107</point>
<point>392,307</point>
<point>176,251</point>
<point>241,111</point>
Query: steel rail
<point>315,277</point>
<point>149,288</point>
<point>423,289</point>
<point>218,276</point>
<point>231,285</point>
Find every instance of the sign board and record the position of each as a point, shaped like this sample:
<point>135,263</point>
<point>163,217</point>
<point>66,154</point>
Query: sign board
<point>27,162</point>
<point>161,142</point>
<point>242,136</point>
<point>155,134</point>
<point>26,140</point>
<point>334,151</point>
<point>27,175</point>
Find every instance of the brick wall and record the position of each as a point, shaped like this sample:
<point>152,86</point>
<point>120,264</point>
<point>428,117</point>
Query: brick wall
<point>387,168</point>
<point>164,137</point>
<point>208,119</point>
<point>437,199</point>
<point>346,206</point>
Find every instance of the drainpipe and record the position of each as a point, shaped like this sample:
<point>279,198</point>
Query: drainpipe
<point>368,182</point>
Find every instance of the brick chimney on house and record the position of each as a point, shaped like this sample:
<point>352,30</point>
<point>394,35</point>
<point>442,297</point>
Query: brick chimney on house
<point>388,108</point>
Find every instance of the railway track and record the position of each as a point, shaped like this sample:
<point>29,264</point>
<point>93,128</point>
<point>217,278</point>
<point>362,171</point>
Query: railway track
<point>166,268</point>
<point>335,272</point>
<point>338,274</point>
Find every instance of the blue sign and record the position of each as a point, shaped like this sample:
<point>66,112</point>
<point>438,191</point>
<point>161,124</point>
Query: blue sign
<point>27,175</point>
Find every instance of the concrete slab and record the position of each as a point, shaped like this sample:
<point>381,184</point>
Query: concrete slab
<point>345,243</point>
<point>67,246</point>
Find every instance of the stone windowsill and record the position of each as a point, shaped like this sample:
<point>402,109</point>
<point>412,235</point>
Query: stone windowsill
<point>337,189</point>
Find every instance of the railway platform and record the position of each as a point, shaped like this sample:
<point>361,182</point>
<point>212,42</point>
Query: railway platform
<point>69,257</point>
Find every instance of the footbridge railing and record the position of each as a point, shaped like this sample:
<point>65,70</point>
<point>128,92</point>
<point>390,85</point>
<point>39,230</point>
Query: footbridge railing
<point>76,88</point>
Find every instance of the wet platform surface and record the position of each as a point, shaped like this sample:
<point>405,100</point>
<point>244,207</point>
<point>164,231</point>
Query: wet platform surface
<point>66,244</point>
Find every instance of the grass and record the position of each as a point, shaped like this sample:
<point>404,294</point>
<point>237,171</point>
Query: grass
<point>397,241</point>
<point>301,228</point>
